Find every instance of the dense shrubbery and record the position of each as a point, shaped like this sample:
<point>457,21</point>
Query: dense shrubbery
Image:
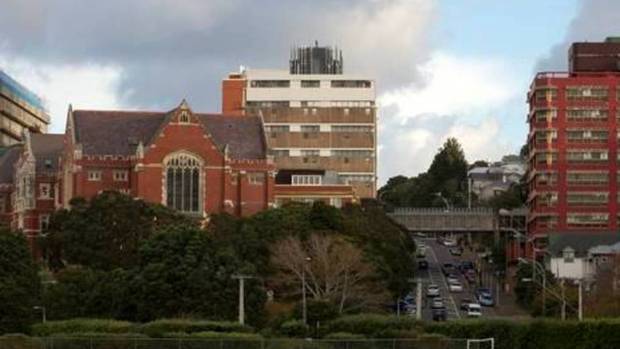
<point>19,283</point>
<point>160,328</point>
<point>82,326</point>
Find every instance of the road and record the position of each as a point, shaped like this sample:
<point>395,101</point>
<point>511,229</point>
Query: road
<point>436,256</point>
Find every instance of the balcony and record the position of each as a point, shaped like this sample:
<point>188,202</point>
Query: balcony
<point>334,115</point>
<point>321,140</point>
<point>330,163</point>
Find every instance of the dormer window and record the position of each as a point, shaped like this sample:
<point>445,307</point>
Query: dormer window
<point>569,255</point>
<point>184,117</point>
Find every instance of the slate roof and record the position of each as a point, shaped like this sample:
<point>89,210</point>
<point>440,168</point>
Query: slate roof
<point>47,149</point>
<point>9,157</point>
<point>119,132</point>
<point>581,242</point>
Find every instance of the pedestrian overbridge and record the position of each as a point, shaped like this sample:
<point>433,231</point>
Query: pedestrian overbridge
<point>440,220</point>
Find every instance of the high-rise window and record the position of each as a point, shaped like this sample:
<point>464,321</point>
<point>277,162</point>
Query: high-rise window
<point>310,83</point>
<point>586,114</point>
<point>586,93</point>
<point>183,182</point>
<point>351,83</point>
<point>270,83</point>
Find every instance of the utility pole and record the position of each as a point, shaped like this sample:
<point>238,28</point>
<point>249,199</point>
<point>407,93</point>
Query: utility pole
<point>418,308</point>
<point>241,279</point>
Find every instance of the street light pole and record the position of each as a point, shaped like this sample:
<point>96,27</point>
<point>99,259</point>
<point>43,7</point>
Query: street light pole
<point>580,299</point>
<point>241,279</point>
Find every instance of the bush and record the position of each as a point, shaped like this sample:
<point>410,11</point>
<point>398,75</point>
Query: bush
<point>75,326</point>
<point>213,335</point>
<point>293,328</point>
<point>159,328</point>
<point>371,325</point>
<point>344,335</point>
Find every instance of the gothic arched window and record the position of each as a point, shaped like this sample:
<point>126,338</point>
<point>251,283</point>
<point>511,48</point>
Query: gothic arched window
<point>183,182</point>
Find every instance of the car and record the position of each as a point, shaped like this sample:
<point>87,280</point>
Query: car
<point>465,302</point>
<point>420,244</point>
<point>466,265</point>
<point>449,243</point>
<point>452,278</point>
<point>474,310</point>
<point>456,251</point>
<point>440,314</point>
<point>432,290</point>
<point>419,234</point>
<point>422,264</point>
<point>485,297</point>
<point>421,252</point>
<point>437,303</point>
<point>455,287</point>
<point>447,268</point>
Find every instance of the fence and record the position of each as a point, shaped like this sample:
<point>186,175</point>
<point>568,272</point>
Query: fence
<point>187,343</point>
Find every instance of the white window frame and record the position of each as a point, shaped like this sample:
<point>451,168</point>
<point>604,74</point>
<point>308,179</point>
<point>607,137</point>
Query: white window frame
<point>94,175</point>
<point>306,180</point>
<point>121,175</point>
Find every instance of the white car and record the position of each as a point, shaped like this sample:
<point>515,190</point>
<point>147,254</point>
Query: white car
<point>437,303</point>
<point>455,287</point>
<point>449,243</point>
<point>474,310</point>
<point>432,290</point>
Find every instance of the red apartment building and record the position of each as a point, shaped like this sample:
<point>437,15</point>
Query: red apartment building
<point>573,145</point>
<point>195,163</point>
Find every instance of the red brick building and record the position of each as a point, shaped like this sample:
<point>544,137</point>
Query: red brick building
<point>195,163</point>
<point>573,145</point>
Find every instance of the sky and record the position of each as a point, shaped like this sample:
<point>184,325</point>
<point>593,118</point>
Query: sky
<point>444,68</point>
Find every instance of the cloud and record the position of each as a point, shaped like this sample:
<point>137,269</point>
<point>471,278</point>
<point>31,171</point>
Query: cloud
<point>150,54</point>
<point>458,99</point>
<point>86,86</point>
<point>595,20</point>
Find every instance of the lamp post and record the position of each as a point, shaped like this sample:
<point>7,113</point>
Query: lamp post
<point>241,279</point>
<point>445,201</point>
<point>43,313</point>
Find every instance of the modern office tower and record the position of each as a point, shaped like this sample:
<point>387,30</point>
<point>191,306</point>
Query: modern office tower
<point>20,109</point>
<point>573,144</point>
<point>320,125</point>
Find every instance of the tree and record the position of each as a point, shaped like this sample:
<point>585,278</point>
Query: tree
<point>106,232</point>
<point>19,283</point>
<point>333,269</point>
<point>447,175</point>
<point>182,272</point>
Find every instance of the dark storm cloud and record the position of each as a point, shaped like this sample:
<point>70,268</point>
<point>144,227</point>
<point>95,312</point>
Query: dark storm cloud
<point>595,20</point>
<point>169,49</point>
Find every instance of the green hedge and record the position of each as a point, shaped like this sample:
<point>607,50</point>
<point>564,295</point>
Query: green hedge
<point>159,328</point>
<point>214,335</point>
<point>69,327</point>
<point>374,325</point>
<point>548,334</point>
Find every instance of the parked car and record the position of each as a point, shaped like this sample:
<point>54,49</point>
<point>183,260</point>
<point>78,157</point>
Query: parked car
<point>485,297</point>
<point>437,303</point>
<point>447,268</point>
<point>422,264</point>
<point>440,314</point>
<point>456,251</point>
<point>474,310</point>
<point>455,287</point>
<point>432,290</point>
<point>465,303</point>
<point>419,234</point>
